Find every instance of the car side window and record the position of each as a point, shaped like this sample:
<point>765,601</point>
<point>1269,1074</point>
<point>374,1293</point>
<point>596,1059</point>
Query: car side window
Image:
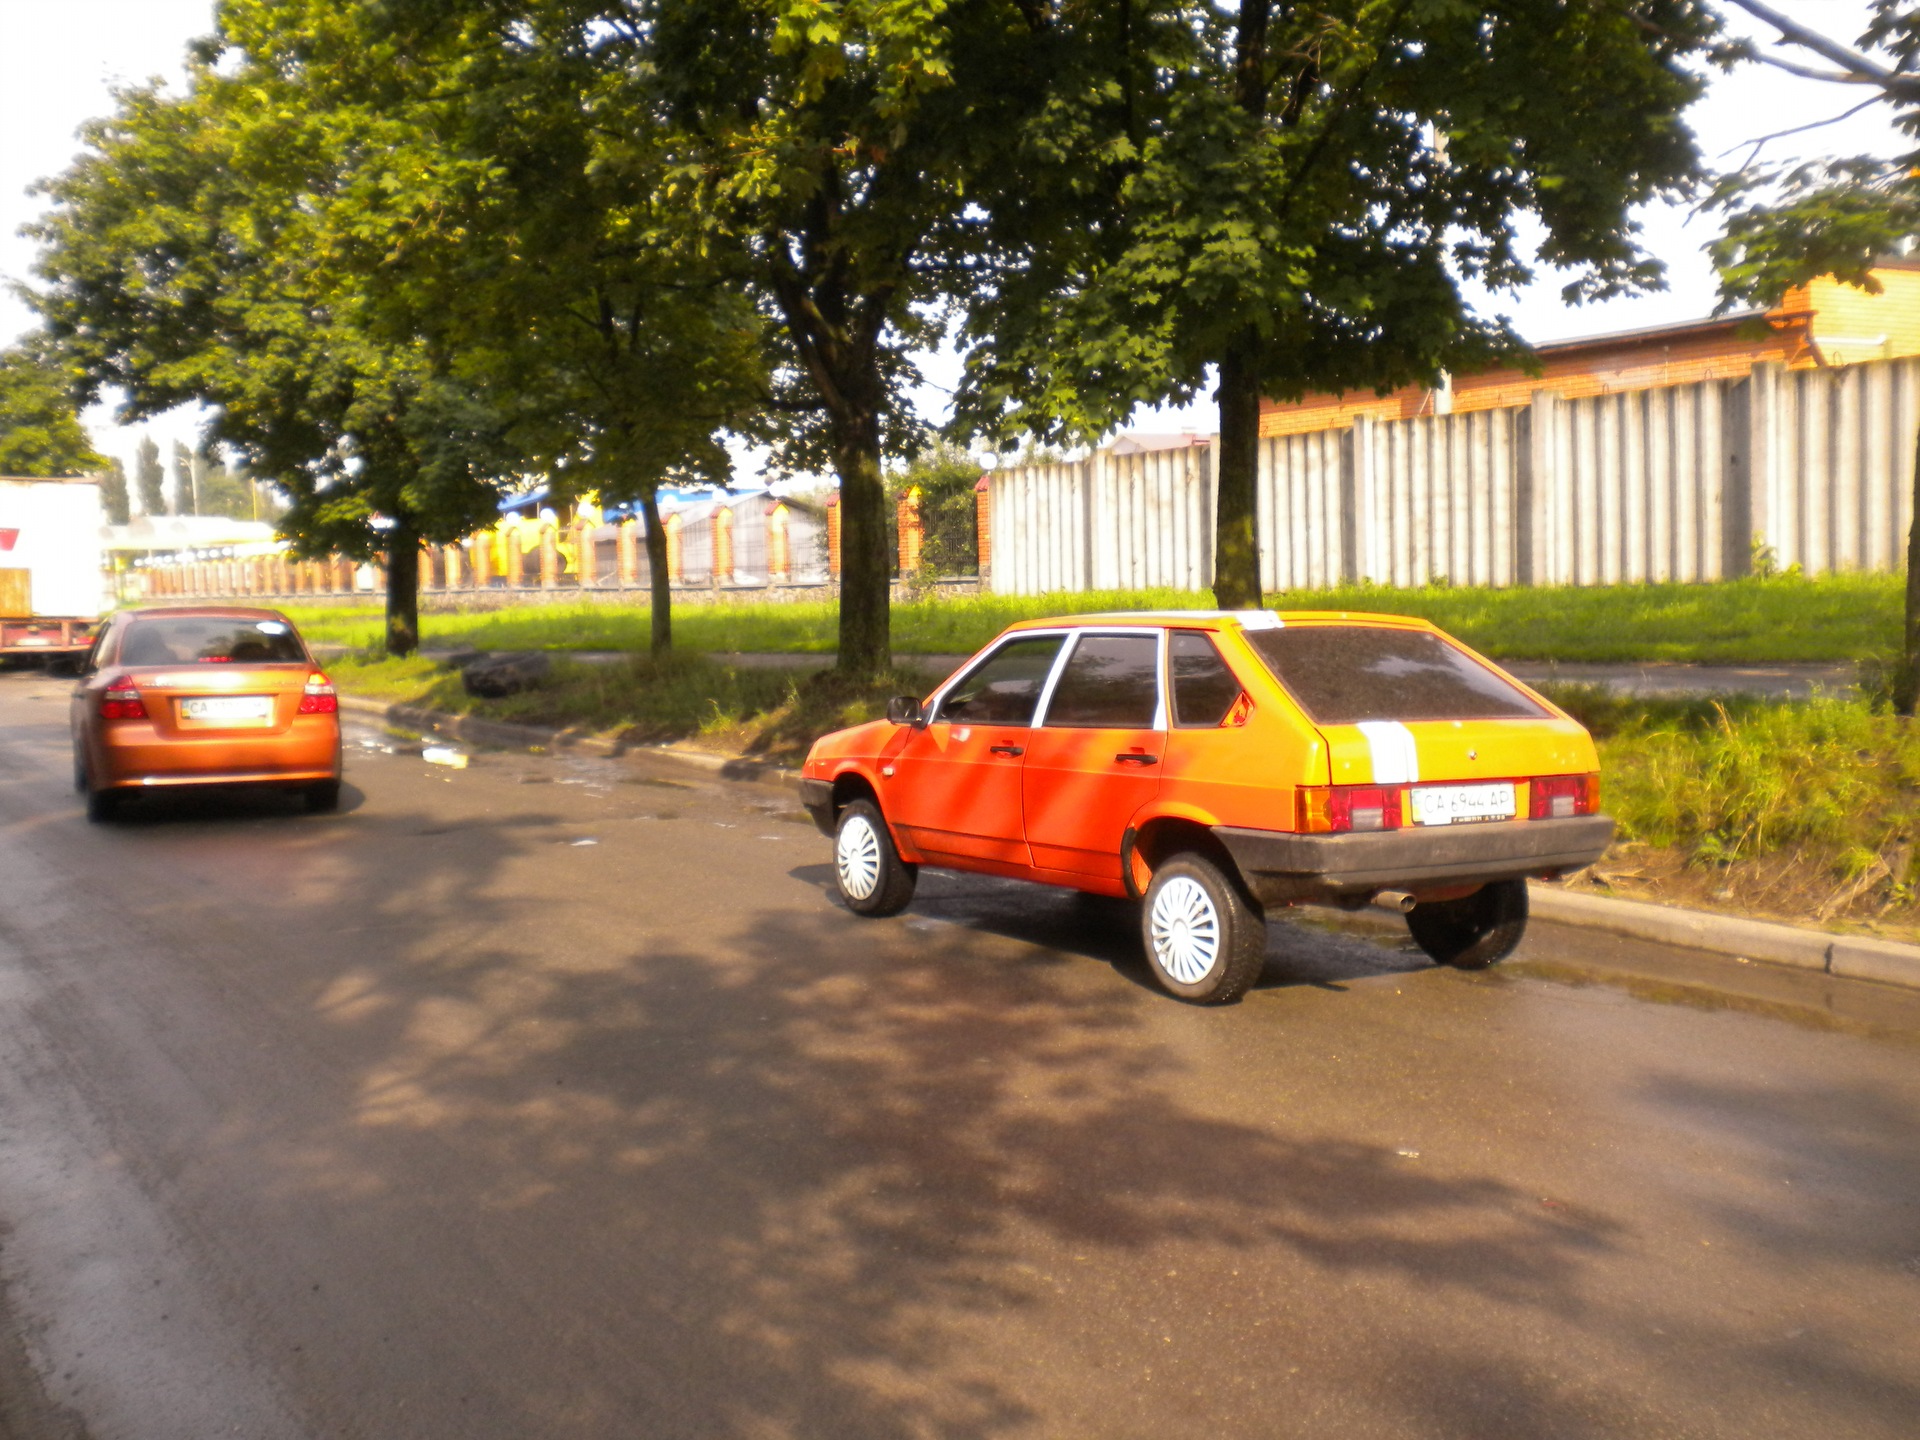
<point>1111,682</point>
<point>1204,689</point>
<point>97,650</point>
<point>1003,688</point>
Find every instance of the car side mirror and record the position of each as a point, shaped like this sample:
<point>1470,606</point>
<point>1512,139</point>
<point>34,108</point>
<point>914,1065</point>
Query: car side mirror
<point>905,710</point>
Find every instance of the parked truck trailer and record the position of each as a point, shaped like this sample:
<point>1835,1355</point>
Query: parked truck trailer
<point>50,565</point>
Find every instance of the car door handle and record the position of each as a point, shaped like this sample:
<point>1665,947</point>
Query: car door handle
<point>1008,750</point>
<point>1129,758</point>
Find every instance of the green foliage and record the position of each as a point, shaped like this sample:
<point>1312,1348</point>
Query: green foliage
<point>1835,618</point>
<point>1788,224</point>
<point>40,430</point>
<point>1737,778</point>
<point>943,478</point>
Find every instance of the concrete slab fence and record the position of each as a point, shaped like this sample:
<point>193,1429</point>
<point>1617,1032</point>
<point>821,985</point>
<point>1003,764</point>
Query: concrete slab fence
<point>1686,482</point>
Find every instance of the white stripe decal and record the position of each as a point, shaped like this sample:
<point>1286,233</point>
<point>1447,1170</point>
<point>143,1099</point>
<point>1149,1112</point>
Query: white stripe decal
<point>1396,760</point>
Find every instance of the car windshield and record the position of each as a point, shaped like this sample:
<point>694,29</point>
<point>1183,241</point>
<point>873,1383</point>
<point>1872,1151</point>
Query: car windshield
<point>210,640</point>
<point>1346,674</point>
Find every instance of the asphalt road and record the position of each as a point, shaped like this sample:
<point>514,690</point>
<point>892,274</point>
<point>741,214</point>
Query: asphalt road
<point>556,1097</point>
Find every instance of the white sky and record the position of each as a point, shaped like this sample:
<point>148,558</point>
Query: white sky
<point>59,59</point>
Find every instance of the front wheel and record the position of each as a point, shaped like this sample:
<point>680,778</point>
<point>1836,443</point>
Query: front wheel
<point>1206,941</point>
<point>872,877</point>
<point>1474,931</point>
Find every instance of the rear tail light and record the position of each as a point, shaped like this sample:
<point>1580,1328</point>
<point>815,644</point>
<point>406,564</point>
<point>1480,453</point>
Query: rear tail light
<point>1323,808</point>
<point>318,697</point>
<point>121,700</point>
<point>1561,797</point>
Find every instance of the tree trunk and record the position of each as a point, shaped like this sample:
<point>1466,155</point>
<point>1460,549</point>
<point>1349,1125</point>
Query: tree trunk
<point>659,581</point>
<point>403,590</point>
<point>865,567</point>
<point>1906,689</point>
<point>1236,550</point>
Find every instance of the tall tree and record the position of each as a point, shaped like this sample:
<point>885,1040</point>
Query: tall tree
<point>149,479</point>
<point>532,230</point>
<point>1298,193</point>
<point>183,497</point>
<point>40,430</point>
<point>196,252</point>
<point>1788,224</point>
<point>114,499</point>
<point>847,161</point>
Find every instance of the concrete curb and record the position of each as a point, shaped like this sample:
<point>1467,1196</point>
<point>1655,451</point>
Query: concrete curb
<point>1848,956</point>
<point>1887,962</point>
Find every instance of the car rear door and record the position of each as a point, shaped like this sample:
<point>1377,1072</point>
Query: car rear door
<point>954,787</point>
<point>1094,759</point>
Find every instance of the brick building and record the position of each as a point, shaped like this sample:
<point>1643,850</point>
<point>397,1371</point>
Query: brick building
<point>1823,324</point>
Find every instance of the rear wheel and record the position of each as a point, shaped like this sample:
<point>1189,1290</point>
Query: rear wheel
<point>1206,940</point>
<point>1474,931</point>
<point>872,877</point>
<point>323,796</point>
<point>102,805</point>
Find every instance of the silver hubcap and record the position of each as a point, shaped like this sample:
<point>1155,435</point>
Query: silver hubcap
<point>857,855</point>
<point>1186,930</point>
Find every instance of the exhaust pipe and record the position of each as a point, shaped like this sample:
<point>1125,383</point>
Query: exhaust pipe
<point>1398,901</point>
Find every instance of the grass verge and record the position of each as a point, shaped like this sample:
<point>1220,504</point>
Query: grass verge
<point>1783,619</point>
<point>1805,811</point>
<point>771,714</point>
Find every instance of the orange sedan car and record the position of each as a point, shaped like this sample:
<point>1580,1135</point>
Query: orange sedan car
<point>202,696</point>
<point>1215,765</point>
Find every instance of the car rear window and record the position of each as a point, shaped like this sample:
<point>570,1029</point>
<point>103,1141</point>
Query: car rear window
<point>1344,674</point>
<point>210,640</point>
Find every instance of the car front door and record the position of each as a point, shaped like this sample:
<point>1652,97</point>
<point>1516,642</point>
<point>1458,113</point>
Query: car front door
<point>955,786</point>
<point>1094,759</point>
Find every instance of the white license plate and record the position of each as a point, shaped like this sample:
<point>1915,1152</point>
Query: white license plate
<point>228,707</point>
<point>1455,804</point>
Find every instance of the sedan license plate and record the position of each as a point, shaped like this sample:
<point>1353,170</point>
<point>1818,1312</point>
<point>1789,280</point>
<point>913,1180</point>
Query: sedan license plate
<point>1463,804</point>
<point>228,709</point>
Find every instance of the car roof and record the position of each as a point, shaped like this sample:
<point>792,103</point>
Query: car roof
<point>1221,619</point>
<point>217,612</point>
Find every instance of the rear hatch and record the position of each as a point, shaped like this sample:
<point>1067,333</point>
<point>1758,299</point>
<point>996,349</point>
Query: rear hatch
<point>216,675</point>
<point>1405,708</point>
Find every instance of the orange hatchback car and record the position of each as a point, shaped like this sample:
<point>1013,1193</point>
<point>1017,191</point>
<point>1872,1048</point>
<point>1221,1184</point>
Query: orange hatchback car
<point>1215,765</point>
<point>202,696</point>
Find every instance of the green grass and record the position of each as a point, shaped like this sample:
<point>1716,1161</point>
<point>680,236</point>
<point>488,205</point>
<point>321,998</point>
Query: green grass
<point>772,714</point>
<point>1789,618</point>
<point>1802,809</point>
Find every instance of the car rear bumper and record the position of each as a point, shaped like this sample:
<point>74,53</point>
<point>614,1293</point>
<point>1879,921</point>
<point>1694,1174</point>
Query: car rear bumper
<point>1282,868</point>
<point>134,756</point>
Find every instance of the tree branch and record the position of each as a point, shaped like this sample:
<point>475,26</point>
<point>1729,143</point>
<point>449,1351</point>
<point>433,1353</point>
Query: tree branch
<point>1860,69</point>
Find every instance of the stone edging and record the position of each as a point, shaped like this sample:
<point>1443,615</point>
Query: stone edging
<point>1851,957</point>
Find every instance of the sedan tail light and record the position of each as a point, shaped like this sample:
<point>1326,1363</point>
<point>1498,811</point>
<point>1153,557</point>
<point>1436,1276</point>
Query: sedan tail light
<point>318,698</point>
<point>121,700</point>
<point>1560,797</point>
<point>1323,808</point>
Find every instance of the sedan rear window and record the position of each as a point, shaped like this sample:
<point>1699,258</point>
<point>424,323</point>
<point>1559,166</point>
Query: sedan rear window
<point>1344,674</point>
<point>210,640</point>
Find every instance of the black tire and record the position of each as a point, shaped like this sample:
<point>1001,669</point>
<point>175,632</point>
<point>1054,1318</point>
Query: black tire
<point>871,876</point>
<point>103,805</point>
<point>323,797</point>
<point>1206,939</point>
<point>1474,931</point>
<point>79,771</point>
